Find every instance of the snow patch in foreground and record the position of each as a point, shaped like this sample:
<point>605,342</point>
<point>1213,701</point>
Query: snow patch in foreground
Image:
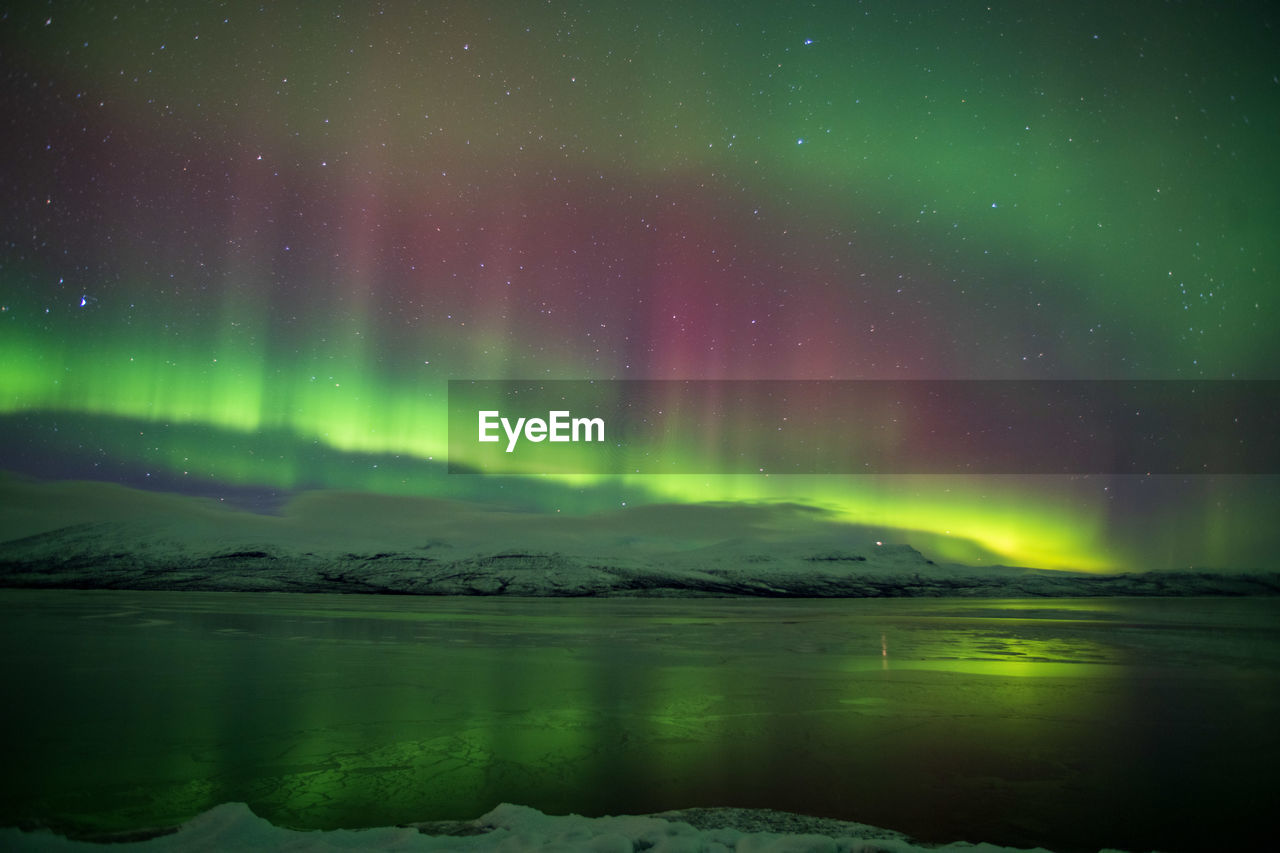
<point>232,826</point>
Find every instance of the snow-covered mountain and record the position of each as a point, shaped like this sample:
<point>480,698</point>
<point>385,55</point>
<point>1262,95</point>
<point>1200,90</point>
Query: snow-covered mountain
<point>97,535</point>
<point>141,555</point>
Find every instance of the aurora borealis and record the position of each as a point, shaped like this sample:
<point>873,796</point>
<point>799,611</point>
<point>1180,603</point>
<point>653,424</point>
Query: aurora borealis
<point>244,248</point>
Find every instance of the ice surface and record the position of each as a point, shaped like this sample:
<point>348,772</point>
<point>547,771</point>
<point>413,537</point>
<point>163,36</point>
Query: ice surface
<point>1071,724</point>
<point>232,826</point>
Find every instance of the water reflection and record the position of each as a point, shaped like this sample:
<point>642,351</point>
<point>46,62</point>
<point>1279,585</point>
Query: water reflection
<point>1003,721</point>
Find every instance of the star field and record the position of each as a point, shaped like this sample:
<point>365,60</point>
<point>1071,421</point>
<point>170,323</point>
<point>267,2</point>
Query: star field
<point>262,238</point>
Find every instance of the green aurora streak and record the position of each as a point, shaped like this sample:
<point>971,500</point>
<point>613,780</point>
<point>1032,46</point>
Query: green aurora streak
<point>265,243</point>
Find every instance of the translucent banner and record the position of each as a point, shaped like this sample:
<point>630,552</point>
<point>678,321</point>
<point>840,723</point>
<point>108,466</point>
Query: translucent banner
<point>864,427</point>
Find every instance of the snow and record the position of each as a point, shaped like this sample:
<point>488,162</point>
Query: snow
<point>160,555</point>
<point>506,829</point>
<point>68,535</point>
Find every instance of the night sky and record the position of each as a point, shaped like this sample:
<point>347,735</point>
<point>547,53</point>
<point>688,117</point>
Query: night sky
<point>243,249</point>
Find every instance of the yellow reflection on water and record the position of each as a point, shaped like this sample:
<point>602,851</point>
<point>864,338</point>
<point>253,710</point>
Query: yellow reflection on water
<point>1001,638</point>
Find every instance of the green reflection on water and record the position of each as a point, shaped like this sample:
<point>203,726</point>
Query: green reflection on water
<point>934,717</point>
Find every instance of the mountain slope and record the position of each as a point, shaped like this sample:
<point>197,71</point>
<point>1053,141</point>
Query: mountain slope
<point>138,555</point>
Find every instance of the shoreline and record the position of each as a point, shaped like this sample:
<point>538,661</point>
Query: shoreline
<point>513,827</point>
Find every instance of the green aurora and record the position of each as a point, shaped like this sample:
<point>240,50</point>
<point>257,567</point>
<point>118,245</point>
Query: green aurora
<point>244,249</point>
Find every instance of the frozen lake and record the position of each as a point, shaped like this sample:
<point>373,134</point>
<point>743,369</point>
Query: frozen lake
<point>1075,724</point>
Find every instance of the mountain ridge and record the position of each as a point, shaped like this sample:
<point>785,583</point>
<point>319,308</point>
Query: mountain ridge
<point>138,556</point>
